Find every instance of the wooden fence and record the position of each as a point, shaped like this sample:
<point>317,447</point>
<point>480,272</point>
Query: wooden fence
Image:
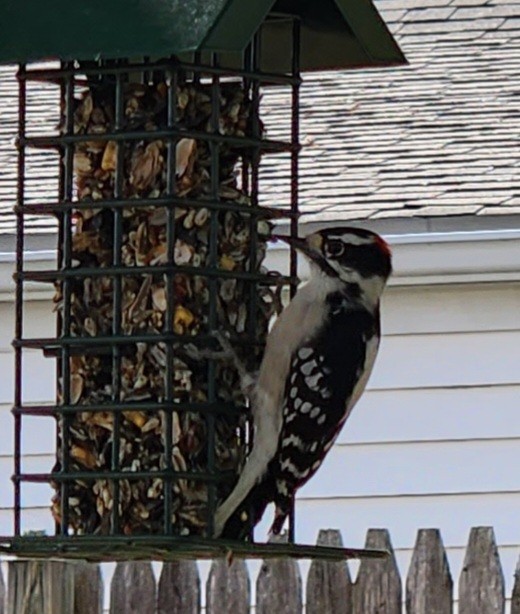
<point>77,588</point>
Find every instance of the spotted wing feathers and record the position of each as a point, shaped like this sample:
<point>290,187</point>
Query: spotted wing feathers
<point>322,380</point>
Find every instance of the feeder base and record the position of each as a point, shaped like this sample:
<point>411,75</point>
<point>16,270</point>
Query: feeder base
<point>167,548</point>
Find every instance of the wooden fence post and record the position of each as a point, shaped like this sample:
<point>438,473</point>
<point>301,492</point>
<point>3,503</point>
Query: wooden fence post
<point>2,591</point>
<point>378,586</point>
<point>88,589</point>
<point>515,596</point>
<point>179,588</point>
<point>133,588</point>
<point>481,583</point>
<point>429,587</point>
<point>228,588</point>
<point>40,587</point>
<point>279,587</point>
<point>329,588</point>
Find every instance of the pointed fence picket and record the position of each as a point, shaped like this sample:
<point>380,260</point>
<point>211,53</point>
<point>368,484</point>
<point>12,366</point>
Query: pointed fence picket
<point>88,588</point>
<point>2,593</point>
<point>133,589</point>
<point>329,587</point>
<point>481,584</point>
<point>429,587</point>
<point>228,587</point>
<point>172,595</point>
<point>35,587</point>
<point>515,597</point>
<point>279,588</point>
<point>378,586</point>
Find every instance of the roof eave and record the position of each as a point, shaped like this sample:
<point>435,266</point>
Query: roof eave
<point>372,32</point>
<point>354,36</point>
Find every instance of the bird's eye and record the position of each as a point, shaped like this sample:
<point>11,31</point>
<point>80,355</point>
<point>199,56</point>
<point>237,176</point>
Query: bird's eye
<point>335,248</point>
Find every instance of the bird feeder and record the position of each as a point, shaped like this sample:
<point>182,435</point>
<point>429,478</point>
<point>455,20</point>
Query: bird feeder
<point>153,150</point>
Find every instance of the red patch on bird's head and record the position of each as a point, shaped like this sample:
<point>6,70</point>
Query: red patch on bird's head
<point>383,246</point>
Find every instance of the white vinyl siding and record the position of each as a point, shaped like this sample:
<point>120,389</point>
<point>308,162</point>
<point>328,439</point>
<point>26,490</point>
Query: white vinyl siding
<point>434,442</point>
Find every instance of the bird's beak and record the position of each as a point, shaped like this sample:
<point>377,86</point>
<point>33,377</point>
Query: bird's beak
<point>310,246</point>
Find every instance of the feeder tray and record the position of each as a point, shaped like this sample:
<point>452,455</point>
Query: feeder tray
<point>171,548</point>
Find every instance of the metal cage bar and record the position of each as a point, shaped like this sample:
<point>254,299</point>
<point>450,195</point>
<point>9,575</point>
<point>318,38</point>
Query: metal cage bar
<point>171,192</point>
<point>295,146</point>
<point>66,263</point>
<point>117,305</point>
<point>20,244</point>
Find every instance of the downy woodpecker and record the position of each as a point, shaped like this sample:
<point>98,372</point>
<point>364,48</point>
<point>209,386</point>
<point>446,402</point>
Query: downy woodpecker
<point>318,358</point>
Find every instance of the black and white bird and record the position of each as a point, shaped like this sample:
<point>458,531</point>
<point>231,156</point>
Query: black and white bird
<point>318,358</point>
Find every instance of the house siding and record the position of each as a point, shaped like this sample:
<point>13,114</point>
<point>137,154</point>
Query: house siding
<point>434,442</point>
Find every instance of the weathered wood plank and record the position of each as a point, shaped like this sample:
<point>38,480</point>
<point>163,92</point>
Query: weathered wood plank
<point>279,587</point>
<point>329,588</point>
<point>228,588</point>
<point>515,595</point>
<point>40,588</point>
<point>133,589</point>
<point>481,583</point>
<point>429,587</point>
<point>179,588</point>
<point>88,589</point>
<point>2,591</point>
<point>377,589</point>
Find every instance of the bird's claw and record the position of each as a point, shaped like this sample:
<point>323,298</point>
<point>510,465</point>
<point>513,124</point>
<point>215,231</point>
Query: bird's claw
<point>247,381</point>
<point>228,354</point>
<point>225,353</point>
<point>223,341</point>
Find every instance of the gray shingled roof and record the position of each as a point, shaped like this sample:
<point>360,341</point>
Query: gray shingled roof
<point>42,167</point>
<point>8,110</point>
<point>439,137</point>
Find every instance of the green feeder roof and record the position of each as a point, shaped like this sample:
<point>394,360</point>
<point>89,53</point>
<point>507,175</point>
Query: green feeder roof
<point>335,33</point>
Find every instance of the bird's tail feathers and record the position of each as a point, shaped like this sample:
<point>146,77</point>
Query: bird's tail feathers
<point>251,477</point>
<point>241,522</point>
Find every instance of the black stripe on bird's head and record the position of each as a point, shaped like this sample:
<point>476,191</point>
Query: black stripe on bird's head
<point>343,251</point>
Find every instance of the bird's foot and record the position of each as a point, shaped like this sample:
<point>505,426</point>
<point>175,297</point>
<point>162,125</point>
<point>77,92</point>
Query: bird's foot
<point>226,353</point>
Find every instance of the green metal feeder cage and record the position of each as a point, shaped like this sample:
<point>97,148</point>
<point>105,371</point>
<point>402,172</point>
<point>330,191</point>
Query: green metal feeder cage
<point>155,143</point>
